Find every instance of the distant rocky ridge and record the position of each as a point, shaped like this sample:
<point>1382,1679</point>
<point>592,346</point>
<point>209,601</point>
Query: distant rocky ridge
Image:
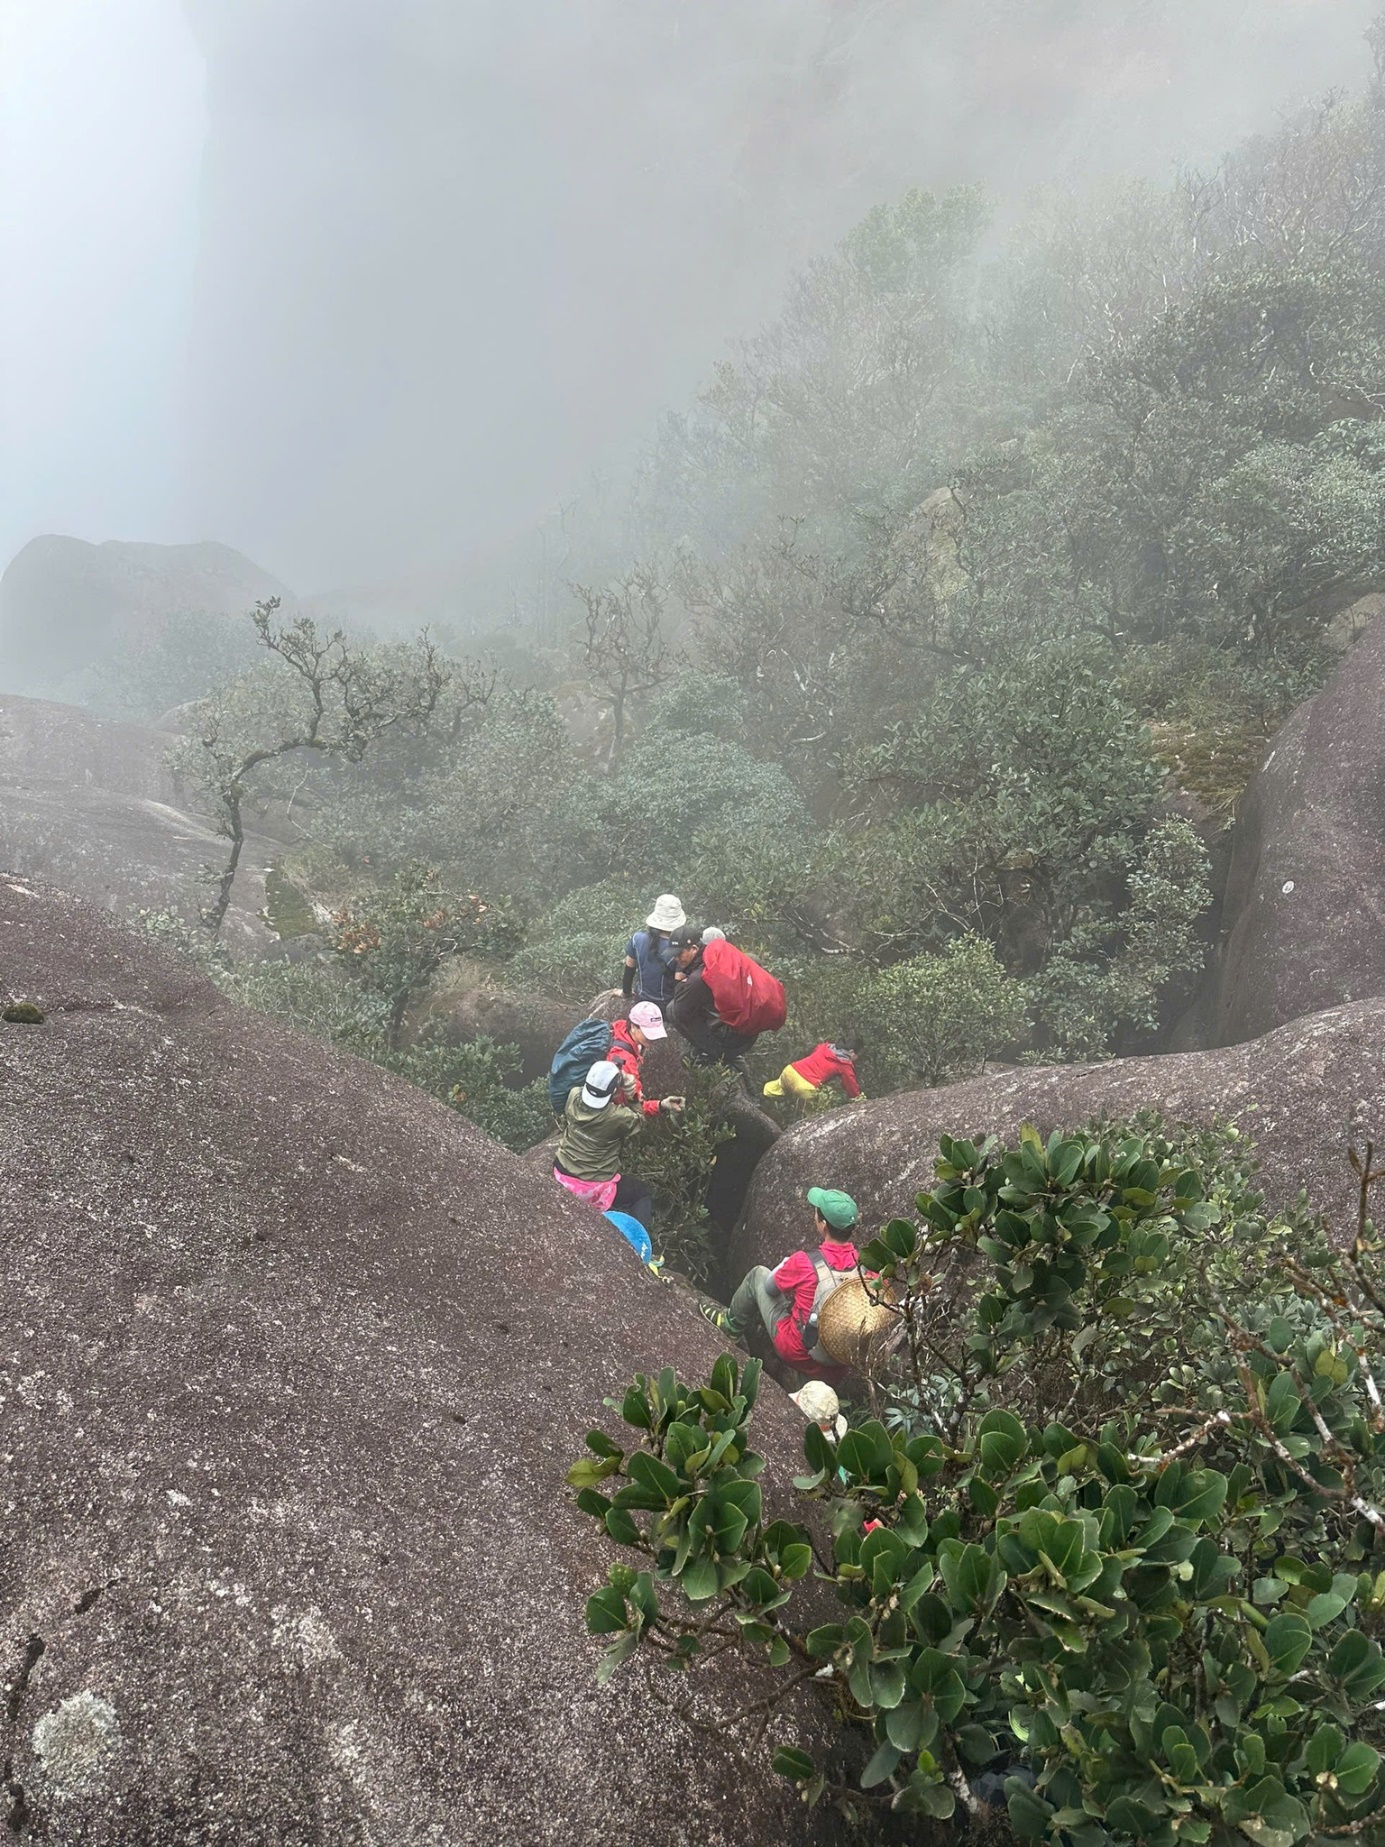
<point>65,603</point>
<point>293,1363</point>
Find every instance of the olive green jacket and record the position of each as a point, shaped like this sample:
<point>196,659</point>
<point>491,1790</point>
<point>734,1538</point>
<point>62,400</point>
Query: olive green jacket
<point>593,1140</point>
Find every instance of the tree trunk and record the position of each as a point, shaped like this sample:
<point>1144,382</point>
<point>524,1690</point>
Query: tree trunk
<point>216,914</point>
<point>399,1006</point>
<point>617,727</point>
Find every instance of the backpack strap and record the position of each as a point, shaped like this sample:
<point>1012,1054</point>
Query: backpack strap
<point>828,1281</point>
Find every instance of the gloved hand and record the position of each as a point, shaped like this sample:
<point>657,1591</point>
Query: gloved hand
<point>673,1106</point>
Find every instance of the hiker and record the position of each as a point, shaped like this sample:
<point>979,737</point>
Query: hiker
<point>716,980</point>
<point>805,1077</point>
<point>629,1037</point>
<point>820,1405</point>
<point>787,1301</point>
<point>648,972</point>
<point>597,1124</point>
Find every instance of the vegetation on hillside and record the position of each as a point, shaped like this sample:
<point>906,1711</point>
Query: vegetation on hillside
<point>1109,1553</point>
<point>943,630</point>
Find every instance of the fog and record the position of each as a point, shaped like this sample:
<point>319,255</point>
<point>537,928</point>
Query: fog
<point>362,289</point>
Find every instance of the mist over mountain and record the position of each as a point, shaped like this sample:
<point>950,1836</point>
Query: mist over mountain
<point>450,258</point>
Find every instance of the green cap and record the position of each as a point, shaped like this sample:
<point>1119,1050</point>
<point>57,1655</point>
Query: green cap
<point>839,1209</point>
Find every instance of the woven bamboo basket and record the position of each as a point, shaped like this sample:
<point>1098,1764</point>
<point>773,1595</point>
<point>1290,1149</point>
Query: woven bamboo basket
<point>850,1322</point>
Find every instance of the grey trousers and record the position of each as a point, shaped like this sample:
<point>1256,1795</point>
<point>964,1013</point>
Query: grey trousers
<point>757,1299</point>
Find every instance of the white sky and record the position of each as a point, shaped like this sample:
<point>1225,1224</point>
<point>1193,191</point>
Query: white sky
<point>101,132</point>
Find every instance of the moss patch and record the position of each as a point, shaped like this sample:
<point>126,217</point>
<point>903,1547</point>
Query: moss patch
<point>288,909</point>
<point>1214,765</point>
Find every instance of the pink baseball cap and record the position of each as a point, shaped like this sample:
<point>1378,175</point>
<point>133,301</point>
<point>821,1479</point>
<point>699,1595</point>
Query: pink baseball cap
<point>648,1018</point>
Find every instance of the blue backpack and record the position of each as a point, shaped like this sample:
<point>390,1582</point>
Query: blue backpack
<point>586,1045</point>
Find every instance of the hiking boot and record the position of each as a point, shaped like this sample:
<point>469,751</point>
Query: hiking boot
<point>719,1318</point>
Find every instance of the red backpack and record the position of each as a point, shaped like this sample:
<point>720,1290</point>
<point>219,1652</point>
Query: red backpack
<point>748,998</point>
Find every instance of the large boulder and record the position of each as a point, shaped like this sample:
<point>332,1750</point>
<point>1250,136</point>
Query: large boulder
<point>1306,892</point>
<point>65,603</point>
<point>1297,1093</point>
<point>87,804</point>
<point>293,1362</point>
<point>535,1024</point>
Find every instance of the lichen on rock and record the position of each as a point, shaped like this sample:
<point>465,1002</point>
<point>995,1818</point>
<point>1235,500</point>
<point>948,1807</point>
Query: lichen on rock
<point>77,1744</point>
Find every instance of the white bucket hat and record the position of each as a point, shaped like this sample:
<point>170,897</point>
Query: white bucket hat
<point>668,914</point>
<point>599,1086</point>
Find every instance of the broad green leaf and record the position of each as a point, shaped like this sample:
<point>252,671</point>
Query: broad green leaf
<point>1029,1814</point>
<point>1324,1608</point>
<point>1287,1640</point>
<point>621,1527</point>
<point>797,1765</point>
<point>606,1612</point>
<point>882,1765</point>
<point>587,1471</point>
<point>699,1580</point>
<point>614,1656</point>
<point>1356,1769</point>
<point>1324,1748</point>
<point>910,1725</point>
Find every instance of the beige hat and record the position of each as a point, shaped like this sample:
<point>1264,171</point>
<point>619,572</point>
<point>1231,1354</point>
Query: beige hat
<point>668,914</point>
<point>820,1405</point>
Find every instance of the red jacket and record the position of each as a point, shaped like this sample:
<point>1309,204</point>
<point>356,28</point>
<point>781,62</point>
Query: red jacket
<point>625,1053</point>
<point>796,1277</point>
<point>828,1061</point>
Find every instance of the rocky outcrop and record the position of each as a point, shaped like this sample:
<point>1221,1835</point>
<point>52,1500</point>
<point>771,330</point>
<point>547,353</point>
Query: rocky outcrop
<point>535,1024</point>
<point>1305,900</point>
<point>293,1361</point>
<point>1295,1093</point>
<point>65,603</point>
<point>86,803</point>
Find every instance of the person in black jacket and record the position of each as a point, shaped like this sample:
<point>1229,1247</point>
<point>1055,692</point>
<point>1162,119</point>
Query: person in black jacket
<point>694,1012</point>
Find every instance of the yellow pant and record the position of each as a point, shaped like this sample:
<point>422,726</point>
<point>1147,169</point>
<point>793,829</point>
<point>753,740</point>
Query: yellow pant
<point>790,1083</point>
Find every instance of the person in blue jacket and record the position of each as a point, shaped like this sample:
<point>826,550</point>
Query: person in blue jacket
<point>649,960</point>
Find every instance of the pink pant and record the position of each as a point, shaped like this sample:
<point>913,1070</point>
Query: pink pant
<point>598,1193</point>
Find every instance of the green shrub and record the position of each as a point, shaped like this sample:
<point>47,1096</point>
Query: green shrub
<point>576,947</point>
<point>937,1017</point>
<point>396,939</point>
<point>1117,975</point>
<point>1125,1544</point>
<point>674,1157</point>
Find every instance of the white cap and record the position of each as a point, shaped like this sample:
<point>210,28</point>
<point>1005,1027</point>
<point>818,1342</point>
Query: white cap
<point>600,1084</point>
